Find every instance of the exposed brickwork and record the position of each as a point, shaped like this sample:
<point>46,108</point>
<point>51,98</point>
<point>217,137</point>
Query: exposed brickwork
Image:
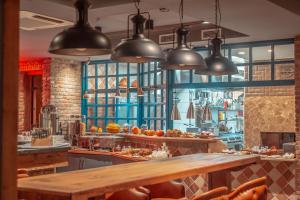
<point>61,87</point>
<point>21,101</point>
<point>46,87</point>
<point>66,87</point>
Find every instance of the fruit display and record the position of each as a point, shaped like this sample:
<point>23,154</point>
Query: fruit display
<point>149,132</point>
<point>135,130</point>
<point>160,133</point>
<point>113,128</point>
<point>99,130</point>
<point>93,129</point>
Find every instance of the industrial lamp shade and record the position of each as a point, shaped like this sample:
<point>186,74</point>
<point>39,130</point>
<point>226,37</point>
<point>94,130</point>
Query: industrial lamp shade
<point>81,39</point>
<point>183,58</point>
<point>137,49</point>
<point>191,112</point>
<point>175,115</point>
<point>217,64</point>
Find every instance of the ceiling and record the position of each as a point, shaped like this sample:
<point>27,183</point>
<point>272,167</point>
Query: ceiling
<point>259,19</point>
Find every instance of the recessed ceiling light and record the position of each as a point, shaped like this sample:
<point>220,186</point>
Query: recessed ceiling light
<point>269,50</point>
<point>205,22</point>
<point>241,52</point>
<point>164,9</point>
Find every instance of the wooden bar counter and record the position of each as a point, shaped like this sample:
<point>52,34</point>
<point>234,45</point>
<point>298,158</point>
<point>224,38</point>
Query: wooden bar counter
<point>84,184</point>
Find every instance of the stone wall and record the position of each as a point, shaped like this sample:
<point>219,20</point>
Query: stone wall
<point>268,109</point>
<point>66,87</point>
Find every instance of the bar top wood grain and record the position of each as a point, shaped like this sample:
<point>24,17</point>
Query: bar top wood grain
<point>113,178</point>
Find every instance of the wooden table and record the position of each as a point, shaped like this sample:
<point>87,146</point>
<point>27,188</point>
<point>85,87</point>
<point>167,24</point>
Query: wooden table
<point>84,184</point>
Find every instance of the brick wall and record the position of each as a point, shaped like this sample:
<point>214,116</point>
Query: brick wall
<point>46,87</point>
<point>66,87</point>
<point>61,87</point>
<point>297,113</point>
<point>21,101</point>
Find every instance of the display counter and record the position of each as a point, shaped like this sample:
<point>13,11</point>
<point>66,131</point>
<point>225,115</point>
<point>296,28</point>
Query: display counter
<point>42,160</point>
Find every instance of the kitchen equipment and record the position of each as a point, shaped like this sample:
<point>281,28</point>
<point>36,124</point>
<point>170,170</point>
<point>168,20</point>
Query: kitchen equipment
<point>276,139</point>
<point>207,113</point>
<point>74,129</point>
<point>289,147</point>
<point>49,119</point>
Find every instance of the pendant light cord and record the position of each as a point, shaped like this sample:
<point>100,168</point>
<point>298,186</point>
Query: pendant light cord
<point>218,16</point>
<point>137,4</point>
<point>181,12</point>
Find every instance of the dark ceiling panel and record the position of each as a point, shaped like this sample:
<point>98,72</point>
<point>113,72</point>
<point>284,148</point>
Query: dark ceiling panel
<point>291,5</point>
<point>195,29</point>
<point>95,3</point>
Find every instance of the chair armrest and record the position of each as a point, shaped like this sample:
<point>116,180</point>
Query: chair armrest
<point>131,194</point>
<point>212,194</point>
<point>171,189</point>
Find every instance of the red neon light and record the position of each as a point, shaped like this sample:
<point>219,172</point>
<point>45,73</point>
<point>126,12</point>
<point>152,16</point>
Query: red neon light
<point>30,65</point>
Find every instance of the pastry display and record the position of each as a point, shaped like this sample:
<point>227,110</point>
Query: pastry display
<point>174,133</point>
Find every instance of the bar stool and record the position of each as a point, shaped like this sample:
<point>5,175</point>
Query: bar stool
<point>167,190</point>
<point>172,189</point>
<point>204,196</point>
<point>252,190</point>
<point>211,194</point>
<point>131,194</point>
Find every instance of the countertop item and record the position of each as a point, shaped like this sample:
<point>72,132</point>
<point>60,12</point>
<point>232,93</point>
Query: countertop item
<point>28,149</point>
<point>170,139</point>
<point>83,184</point>
<point>116,154</point>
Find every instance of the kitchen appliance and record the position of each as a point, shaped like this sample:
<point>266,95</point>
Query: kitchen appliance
<point>49,119</point>
<point>289,147</point>
<point>276,139</point>
<point>73,129</point>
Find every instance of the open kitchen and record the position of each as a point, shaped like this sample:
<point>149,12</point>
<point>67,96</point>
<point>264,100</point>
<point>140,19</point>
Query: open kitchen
<point>149,99</point>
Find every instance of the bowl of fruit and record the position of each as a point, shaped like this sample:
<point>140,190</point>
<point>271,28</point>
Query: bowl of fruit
<point>113,128</point>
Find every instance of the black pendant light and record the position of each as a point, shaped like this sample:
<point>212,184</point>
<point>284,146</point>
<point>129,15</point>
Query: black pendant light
<point>182,57</point>
<point>218,64</point>
<point>137,49</point>
<point>81,39</point>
